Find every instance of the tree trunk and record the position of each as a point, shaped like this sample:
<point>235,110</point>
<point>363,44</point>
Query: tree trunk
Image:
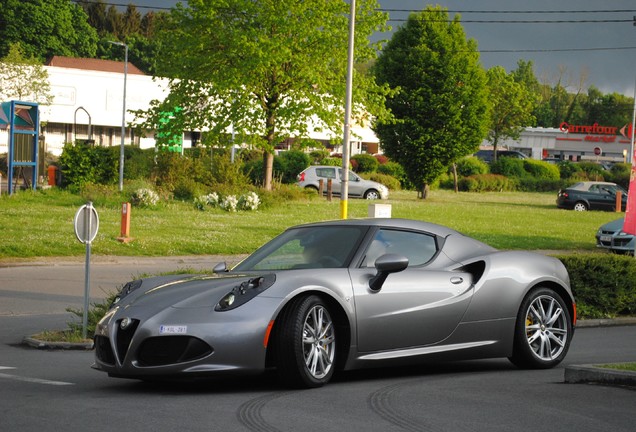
<point>268,167</point>
<point>455,177</point>
<point>423,194</point>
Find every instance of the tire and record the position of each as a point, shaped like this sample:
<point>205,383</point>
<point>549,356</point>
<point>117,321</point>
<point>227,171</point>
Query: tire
<point>372,194</point>
<point>580,206</point>
<point>306,343</point>
<point>543,330</point>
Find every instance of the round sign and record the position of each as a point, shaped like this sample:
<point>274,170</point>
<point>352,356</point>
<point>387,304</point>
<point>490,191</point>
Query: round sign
<point>597,151</point>
<point>86,223</point>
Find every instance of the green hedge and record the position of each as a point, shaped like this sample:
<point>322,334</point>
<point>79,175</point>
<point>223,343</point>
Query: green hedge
<point>604,285</point>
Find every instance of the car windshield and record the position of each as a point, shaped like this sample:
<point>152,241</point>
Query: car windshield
<point>307,248</point>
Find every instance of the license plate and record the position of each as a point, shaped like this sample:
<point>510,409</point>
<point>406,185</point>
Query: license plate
<point>606,238</point>
<point>173,329</point>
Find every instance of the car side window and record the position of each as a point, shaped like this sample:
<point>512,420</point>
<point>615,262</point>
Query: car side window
<point>326,172</point>
<point>419,248</point>
<point>594,189</point>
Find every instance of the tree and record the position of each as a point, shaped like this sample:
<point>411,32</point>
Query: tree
<point>266,69</point>
<point>440,107</point>
<point>46,28</point>
<point>511,106</point>
<point>23,79</point>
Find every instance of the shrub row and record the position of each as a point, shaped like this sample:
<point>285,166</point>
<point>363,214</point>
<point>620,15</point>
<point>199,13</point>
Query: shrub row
<point>604,285</point>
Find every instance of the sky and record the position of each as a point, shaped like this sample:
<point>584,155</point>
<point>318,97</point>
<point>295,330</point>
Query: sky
<point>595,41</point>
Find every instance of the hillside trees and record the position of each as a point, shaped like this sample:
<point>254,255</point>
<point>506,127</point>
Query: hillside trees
<point>266,70</point>
<point>45,28</point>
<point>440,108</point>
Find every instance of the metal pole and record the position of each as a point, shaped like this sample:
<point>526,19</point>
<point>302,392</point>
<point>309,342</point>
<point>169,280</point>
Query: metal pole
<point>123,116</point>
<point>344,187</point>
<point>88,214</point>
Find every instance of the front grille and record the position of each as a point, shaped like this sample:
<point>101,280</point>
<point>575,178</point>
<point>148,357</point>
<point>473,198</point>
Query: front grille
<point>103,350</point>
<point>165,350</point>
<point>124,337</point>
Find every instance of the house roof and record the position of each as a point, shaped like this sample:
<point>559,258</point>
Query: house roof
<point>93,64</point>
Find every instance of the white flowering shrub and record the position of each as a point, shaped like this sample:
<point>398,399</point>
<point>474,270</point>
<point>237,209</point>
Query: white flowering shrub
<point>249,201</point>
<point>212,200</point>
<point>229,203</point>
<point>144,198</point>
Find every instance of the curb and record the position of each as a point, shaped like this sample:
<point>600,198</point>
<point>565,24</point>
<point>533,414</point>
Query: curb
<point>592,374</point>
<point>40,344</point>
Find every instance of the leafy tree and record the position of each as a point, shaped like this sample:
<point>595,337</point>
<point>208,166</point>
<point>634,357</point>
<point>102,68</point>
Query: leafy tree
<point>46,28</point>
<point>265,69</point>
<point>23,78</point>
<point>511,106</point>
<point>440,108</point>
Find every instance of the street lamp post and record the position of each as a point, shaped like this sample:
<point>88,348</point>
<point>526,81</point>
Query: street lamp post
<point>123,116</point>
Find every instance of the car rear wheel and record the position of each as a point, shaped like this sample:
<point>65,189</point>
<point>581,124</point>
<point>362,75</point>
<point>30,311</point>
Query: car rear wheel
<point>372,194</point>
<point>543,330</point>
<point>580,206</point>
<point>306,343</point>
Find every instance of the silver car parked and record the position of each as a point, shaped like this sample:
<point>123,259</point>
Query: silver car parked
<point>343,295</point>
<point>358,187</point>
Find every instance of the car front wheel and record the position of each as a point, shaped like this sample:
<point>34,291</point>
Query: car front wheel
<point>543,330</point>
<point>580,206</point>
<point>372,194</point>
<point>306,343</point>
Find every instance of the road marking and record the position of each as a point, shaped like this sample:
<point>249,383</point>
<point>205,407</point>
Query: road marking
<point>6,367</point>
<point>31,380</point>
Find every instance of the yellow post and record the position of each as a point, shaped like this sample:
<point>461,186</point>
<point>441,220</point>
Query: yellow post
<point>343,209</point>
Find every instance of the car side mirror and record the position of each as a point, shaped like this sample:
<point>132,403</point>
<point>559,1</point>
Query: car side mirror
<point>385,265</point>
<point>220,268</point>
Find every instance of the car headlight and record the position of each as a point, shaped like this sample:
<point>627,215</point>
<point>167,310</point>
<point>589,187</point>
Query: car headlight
<point>244,292</point>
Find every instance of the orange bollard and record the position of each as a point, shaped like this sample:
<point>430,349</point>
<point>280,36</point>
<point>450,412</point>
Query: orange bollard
<point>124,236</point>
<point>619,201</point>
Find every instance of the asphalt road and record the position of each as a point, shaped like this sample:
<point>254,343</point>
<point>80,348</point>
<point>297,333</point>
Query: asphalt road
<point>42,390</point>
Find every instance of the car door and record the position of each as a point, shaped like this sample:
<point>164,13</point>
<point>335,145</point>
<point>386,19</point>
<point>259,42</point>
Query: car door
<point>355,188</point>
<point>416,307</point>
<point>329,173</point>
<point>600,198</point>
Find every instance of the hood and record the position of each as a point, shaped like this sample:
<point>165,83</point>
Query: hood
<point>615,225</point>
<point>184,291</point>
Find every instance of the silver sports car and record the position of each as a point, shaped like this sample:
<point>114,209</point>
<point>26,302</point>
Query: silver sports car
<point>343,295</point>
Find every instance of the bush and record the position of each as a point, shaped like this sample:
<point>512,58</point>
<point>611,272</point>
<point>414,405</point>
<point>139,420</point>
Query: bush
<point>568,169</point>
<point>396,171</point>
<point>541,170</point>
<point>529,184</point>
<point>593,171</point>
<point>487,183</point>
<point>509,167</point>
<point>604,285</point>
<point>366,163</point>
<point>138,163</point>
<point>620,173</point>
<point>471,166</point>
<point>81,164</point>
<point>290,163</point>
<point>390,182</point>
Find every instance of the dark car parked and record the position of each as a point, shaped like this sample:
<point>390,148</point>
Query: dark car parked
<point>591,196</point>
<point>489,155</point>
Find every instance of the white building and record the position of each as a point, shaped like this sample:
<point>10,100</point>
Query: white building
<point>88,104</point>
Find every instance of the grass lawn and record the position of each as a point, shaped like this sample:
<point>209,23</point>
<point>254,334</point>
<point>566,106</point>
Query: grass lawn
<point>40,224</point>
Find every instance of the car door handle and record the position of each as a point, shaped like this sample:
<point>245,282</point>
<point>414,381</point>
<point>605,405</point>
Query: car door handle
<point>456,280</point>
